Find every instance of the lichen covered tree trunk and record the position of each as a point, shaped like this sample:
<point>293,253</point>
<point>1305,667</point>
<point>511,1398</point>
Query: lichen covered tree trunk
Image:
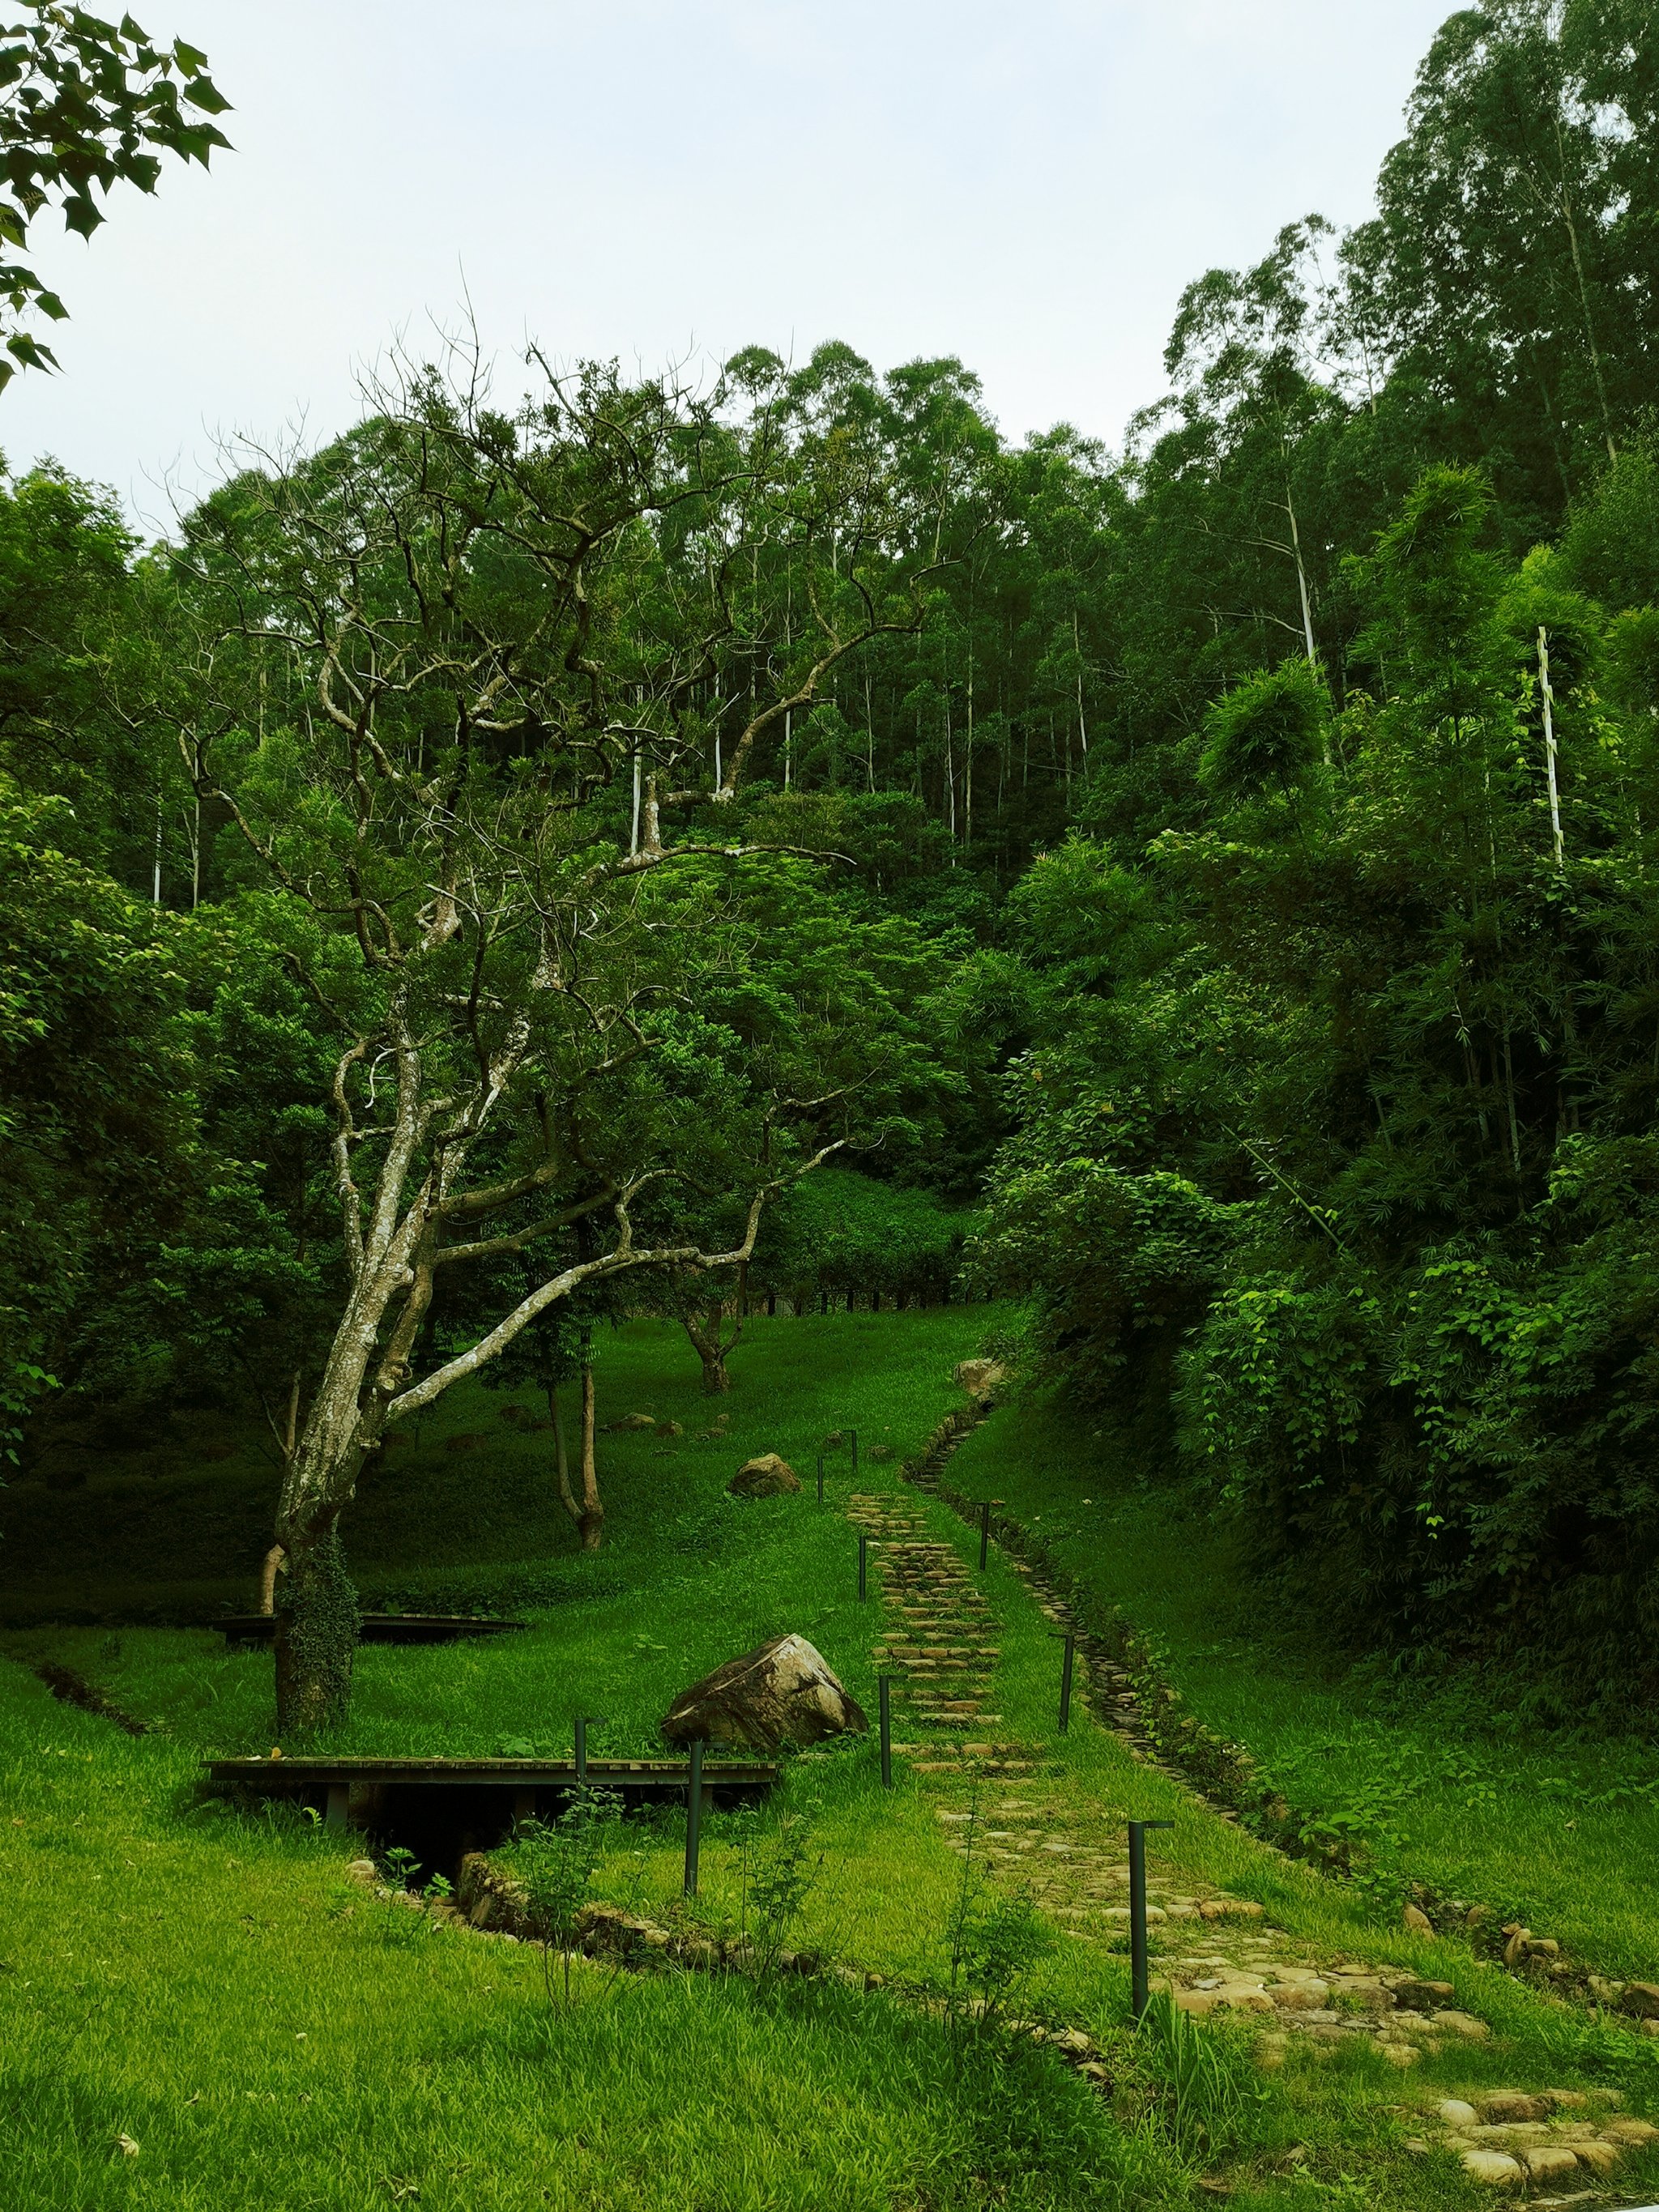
<point>317,1629</point>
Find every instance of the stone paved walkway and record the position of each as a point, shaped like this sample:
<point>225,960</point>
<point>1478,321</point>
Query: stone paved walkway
<point>1216,1952</point>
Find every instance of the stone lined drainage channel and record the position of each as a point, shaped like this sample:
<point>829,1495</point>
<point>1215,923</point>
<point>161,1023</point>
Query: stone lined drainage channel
<point>941,1641</point>
<point>72,1689</point>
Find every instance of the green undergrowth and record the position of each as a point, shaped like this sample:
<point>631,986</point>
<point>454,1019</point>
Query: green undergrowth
<point>1418,1775</point>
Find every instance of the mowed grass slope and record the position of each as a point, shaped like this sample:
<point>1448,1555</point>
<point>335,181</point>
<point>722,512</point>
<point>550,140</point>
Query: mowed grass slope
<point>209,1993</point>
<point>1446,1780</point>
<point>205,1983</point>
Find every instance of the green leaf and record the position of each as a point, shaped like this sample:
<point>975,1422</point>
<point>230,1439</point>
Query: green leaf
<point>204,95</point>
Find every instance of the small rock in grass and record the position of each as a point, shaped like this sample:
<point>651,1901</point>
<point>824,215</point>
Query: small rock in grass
<point>1417,1920</point>
<point>1599,2157</point>
<point>670,1429</point>
<point>1400,2054</point>
<point>1422,1996</point>
<point>1494,2167</point>
<point>1075,2040</point>
<point>1634,2132</point>
<point>1641,2000</point>
<point>1549,2158</point>
<point>1505,2105</point>
<point>1463,2023</point>
<point>126,2145</point>
<point>1270,2051</point>
<point>630,1421</point>
<point>978,1376</point>
<point>1456,2114</point>
<point>364,1872</point>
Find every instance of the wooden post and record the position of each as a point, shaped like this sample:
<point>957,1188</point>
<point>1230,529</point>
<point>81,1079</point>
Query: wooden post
<point>693,1816</point>
<point>1065,1683</point>
<point>338,1814</point>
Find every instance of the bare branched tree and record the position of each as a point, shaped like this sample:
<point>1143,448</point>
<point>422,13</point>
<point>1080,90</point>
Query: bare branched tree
<point>481,687</point>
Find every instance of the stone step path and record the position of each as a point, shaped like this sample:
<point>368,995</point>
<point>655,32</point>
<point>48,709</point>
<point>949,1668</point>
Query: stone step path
<point>940,1641</point>
<point>1217,1954</point>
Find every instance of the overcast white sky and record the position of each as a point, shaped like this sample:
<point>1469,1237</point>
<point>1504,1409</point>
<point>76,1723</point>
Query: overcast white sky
<point>1029,187</point>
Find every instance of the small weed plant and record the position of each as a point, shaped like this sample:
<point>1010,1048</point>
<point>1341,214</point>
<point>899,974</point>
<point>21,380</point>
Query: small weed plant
<point>993,1944</point>
<point>778,1882</point>
<point>557,1861</point>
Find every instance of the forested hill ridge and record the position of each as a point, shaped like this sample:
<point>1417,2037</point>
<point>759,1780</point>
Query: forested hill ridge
<point>498,857</point>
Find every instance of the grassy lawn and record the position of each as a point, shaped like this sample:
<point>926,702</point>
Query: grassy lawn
<point>205,1983</point>
<point>1446,1783</point>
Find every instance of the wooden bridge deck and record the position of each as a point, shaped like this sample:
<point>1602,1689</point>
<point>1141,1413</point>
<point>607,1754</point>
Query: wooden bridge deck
<point>377,1627</point>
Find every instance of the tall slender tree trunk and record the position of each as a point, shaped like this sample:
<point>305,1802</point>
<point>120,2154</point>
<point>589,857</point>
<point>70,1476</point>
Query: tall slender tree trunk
<point>561,1456</point>
<point>592,1517</point>
<point>1547,697</point>
<point>1584,298</point>
<point>1077,655</point>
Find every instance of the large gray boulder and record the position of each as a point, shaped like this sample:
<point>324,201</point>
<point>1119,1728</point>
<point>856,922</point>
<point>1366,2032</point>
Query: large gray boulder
<point>767,1476</point>
<point>780,1693</point>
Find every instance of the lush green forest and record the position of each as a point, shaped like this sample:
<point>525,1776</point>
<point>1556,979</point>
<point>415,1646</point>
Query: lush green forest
<point>577,845</point>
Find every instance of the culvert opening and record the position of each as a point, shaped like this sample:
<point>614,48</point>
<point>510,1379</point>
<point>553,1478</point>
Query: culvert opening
<point>440,1823</point>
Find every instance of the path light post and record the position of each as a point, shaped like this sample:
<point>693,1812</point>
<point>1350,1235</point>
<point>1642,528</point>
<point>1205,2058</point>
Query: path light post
<point>864,1567</point>
<point>693,1815</point>
<point>984,1531</point>
<point>884,1689</point>
<point>583,1721</point>
<point>1140,1996</point>
<point>1066,1682</point>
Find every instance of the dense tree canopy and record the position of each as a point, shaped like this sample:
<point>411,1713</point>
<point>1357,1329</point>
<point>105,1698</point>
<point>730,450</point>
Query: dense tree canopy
<point>1206,890</point>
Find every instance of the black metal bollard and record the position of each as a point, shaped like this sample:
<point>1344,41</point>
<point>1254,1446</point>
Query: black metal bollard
<point>984,1531</point>
<point>693,1816</point>
<point>864,1569</point>
<point>885,1688</point>
<point>1066,1682</point>
<point>1140,1997</point>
